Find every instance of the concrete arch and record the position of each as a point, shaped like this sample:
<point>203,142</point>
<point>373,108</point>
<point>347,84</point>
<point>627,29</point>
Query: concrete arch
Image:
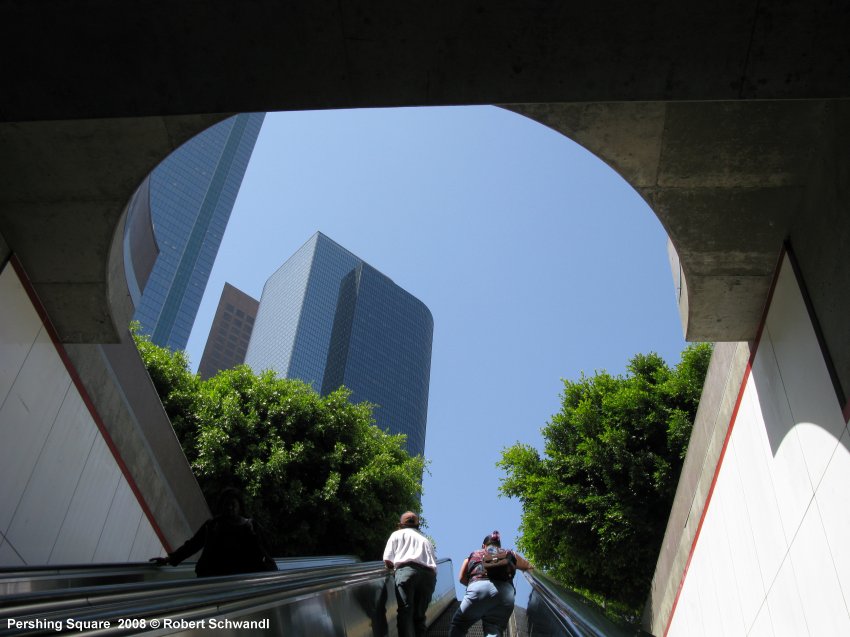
<point>62,197</point>
<point>724,185</point>
<point>727,188</point>
<point>727,118</point>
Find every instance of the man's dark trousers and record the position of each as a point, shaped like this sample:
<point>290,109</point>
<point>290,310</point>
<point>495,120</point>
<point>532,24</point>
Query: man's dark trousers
<point>414,586</point>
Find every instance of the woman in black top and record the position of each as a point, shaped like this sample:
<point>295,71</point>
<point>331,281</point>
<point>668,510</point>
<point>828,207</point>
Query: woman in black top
<point>229,543</point>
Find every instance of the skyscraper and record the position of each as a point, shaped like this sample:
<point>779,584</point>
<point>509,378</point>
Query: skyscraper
<point>230,332</point>
<point>191,196</point>
<point>330,319</point>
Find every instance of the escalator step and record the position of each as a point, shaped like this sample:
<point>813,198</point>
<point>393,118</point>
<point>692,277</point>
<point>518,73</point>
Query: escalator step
<point>440,627</point>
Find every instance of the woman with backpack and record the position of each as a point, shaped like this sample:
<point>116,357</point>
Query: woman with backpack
<point>488,575</point>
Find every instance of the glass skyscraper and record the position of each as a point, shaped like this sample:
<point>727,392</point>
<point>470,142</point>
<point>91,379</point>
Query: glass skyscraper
<point>191,196</point>
<point>330,319</point>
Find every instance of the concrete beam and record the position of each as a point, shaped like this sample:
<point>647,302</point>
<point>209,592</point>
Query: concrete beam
<point>121,390</point>
<point>622,79</point>
<point>158,57</point>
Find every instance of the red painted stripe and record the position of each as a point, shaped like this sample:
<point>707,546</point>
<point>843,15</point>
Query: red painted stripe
<point>78,383</point>
<point>732,420</point>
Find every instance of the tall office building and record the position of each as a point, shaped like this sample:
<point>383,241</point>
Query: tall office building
<point>230,332</point>
<point>330,319</point>
<point>191,195</point>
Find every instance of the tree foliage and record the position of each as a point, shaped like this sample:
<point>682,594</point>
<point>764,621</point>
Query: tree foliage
<point>596,502</point>
<point>316,472</point>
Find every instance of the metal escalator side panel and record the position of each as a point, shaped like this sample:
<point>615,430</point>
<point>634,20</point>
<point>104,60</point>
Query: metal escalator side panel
<point>352,606</point>
<point>45,578</point>
<point>444,593</point>
<point>356,599</point>
<point>556,611</point>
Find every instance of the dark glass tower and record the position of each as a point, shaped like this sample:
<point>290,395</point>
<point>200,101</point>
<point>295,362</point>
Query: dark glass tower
<point>191,196</point>
<point>230,332</point>
<point>331,319</point>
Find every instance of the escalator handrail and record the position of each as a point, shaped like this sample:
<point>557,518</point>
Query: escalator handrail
<point>65,571</point>
<point>574,615</point>
<point>44,601</point>
<point>194,598</point>
<point>201,598</point>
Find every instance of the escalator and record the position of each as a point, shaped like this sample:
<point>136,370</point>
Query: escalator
<point>316,597</point>
<point>333,596</point>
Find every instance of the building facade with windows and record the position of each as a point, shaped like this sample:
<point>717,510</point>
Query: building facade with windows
<point>191,195</point>
<point>330,319</point>
<point>230,332</point>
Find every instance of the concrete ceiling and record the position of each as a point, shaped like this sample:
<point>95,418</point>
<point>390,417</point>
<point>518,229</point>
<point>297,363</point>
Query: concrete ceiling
<point>101,58</point>
<point>718,115</point>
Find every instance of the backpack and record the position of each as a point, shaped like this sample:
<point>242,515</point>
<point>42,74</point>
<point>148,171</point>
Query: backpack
<point>498,564</point>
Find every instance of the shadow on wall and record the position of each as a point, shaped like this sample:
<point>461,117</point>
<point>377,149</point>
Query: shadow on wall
<point>794,390</point>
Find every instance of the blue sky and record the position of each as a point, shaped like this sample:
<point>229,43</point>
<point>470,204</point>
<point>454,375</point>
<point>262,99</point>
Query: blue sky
<point>536,259</point>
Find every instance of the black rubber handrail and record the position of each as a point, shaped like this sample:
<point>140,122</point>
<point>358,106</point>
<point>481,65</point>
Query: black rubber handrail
<point>35,578</point>
<point>188,598</point>
<point>571,613</point>
<point>46,601</point>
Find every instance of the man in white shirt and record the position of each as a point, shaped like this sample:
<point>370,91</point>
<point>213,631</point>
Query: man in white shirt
<point>411,557</point>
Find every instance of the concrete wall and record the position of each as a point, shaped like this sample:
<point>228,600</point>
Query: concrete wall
<point>81,481</point>
<point>757,542</point>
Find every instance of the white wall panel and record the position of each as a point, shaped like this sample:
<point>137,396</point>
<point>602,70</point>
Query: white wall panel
<point>823,604</point>
<point>8,557</point>
<point>763,625</point>
<point>809,389</point>
<point>706,583</point>
<point>147,544</point>
<point>48,494</point>
<point>19,325</point>
<point>118,534</point>
<point>694,601</point>
<point>688,618</point>
<point>786,608</point>
<point>26,418</point>
<point>726,581</point>
<point>753,453</point>
<point>89,507</point>
<point>695,620</point>
<point>791,478</point>
<point>685,625</point>
<point>741,542</point>
<point>833,501</point>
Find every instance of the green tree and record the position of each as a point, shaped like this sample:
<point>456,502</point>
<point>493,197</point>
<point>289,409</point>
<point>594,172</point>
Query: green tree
<point>596,502</point>
<point>178,388</point>
<point>316,472</point>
